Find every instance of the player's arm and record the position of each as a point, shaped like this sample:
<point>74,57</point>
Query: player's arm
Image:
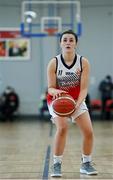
<point>84,82</point>
<point>51,78</point>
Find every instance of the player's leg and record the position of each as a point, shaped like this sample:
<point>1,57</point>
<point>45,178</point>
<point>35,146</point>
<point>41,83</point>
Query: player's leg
<point>60,136</point>
<point>85,125</point>
<point>59,144</point>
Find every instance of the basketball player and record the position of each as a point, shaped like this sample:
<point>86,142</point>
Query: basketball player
<point>69,72</point>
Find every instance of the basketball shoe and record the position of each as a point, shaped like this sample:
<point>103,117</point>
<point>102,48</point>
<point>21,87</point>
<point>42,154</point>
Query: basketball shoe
<point>87,168</point>
<point>56,170</point>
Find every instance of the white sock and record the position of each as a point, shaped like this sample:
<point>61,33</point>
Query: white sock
<point>86,158</point>
<point>57,159</point>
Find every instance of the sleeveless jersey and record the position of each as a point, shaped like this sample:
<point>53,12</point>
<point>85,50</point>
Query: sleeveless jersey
<point>68,77</point>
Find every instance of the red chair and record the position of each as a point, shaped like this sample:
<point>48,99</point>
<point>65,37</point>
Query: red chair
<point>109,105</point>
<point>96,107</point>
<point>96,104</point>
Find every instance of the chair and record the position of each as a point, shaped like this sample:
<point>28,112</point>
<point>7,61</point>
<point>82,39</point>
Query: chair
<point>109,107</point>
<point>96,106</point>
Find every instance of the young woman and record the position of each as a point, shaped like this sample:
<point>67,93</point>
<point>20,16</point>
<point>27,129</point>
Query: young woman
<point>68,73</point>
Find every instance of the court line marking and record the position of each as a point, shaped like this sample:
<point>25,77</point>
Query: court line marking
<point>46,164</point>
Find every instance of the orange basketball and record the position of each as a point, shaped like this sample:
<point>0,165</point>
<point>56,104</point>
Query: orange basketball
<point>64,105</point>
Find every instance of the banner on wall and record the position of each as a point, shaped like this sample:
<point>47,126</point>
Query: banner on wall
<point>13,46</point>
<point>10,34</point>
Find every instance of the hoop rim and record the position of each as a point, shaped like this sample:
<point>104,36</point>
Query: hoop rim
<point>51,31</point>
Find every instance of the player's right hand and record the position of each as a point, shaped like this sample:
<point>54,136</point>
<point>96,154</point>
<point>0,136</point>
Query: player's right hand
<point>57,93</point>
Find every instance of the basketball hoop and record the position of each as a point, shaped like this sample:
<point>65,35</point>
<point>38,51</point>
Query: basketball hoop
<point>51,31</point>
<point>34,23</point>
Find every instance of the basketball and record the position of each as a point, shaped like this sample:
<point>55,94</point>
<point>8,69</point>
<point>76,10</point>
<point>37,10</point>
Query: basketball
<point>64,105</point>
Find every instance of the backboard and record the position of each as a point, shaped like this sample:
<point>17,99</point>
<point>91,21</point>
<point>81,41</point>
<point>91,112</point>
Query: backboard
<point>43,18</point>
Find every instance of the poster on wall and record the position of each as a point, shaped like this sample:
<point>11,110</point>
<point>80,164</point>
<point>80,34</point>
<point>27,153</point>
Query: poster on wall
<point>13,46</point>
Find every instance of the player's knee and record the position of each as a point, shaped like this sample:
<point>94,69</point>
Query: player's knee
<point>89,134</point>
<point>62,130</point>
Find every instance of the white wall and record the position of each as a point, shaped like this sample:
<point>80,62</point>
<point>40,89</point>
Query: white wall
<point>96,42</point>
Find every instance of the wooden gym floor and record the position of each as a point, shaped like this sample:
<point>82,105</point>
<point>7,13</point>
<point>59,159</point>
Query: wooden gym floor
<point>26,150</point>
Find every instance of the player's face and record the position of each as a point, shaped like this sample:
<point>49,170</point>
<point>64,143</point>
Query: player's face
<point>68,43</point>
